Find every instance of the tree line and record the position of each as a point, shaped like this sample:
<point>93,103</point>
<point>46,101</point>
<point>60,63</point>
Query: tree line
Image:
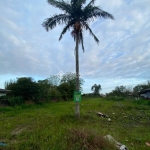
<point>123,91</point>
<point>53,88</point>
<point>56,88</point>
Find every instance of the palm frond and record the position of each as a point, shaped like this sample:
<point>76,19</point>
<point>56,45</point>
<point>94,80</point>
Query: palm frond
<point>85,25</point>
<point>51,23</point>
<point>91,12</point>
<point>73,34</point>
<point>65,30</point>
<point>81,2</point>
<point>91,2</point>
<point>103,14</point>
<point>81,39</point>
<point>74,2</point>
<point>61,5</point>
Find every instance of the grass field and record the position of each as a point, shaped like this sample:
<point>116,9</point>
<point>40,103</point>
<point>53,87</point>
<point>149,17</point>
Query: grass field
<point>53,126</point>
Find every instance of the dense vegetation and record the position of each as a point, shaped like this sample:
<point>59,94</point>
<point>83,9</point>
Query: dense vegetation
<point>57,89</point>
<point>51,89</point>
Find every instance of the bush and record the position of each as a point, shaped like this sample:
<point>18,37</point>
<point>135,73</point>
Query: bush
<point>66,90</point>
<point>15,100</point>
<point>25,87</point>
<point>4,101</point>
<point>54,95</point>
<point>115,98</point>
<point>148,103</point>
<point>3,97</point>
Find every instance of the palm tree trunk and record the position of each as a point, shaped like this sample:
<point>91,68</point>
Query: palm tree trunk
<point>77,107</point>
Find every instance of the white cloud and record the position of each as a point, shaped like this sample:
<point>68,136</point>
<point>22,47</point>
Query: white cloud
<point>122,55</point>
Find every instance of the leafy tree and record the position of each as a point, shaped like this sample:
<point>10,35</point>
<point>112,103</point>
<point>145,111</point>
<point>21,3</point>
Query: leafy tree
<point>138,88</point>
<point>96,89</point>
<point>75,16</point>
<point>44,88</point>
<point>118,91</point>
<point>54,95</point>
<point>129,91</point>
<point>46,85</point>
<point>67,85</point>
<point>66,90</point>
<point>53,81</point>
<point>121,91</point>
<point>70,78</point>
<point>25,87</point>
<point>10,85</point>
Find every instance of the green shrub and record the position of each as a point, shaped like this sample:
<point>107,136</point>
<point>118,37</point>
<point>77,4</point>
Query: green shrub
<point>15,100</point>
<point>24,86</point>
<point>139,102</point>
<point>148,103</point>
<point>54,95</point>
<point>115,98</point>
<point>66,90</point>
<point>3,97</point>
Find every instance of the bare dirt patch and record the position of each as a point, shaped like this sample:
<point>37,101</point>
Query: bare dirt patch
<point>18,130</point>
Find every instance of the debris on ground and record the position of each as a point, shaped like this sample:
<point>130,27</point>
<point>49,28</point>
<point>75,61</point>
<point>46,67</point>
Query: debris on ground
<point>119,146</point>
<point>3,144</point>
<point>148,144</point>
<point>109,119</point>
<point>102,115</point>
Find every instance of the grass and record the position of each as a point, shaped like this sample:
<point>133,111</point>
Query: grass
<point>53,126</point>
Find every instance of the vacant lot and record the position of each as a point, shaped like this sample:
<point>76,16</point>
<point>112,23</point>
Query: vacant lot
<point>53,126</point>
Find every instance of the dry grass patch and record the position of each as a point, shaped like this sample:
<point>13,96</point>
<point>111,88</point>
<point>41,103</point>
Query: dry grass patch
<point>87,140</point>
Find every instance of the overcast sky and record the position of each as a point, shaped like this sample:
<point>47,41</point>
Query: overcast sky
<point>121,58</point>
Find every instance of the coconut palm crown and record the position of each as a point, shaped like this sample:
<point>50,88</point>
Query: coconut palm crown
<point>75,16</point>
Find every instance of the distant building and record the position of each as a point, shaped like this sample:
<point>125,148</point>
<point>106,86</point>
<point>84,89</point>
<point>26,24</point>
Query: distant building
<point>145,93</point>
<point>3,92</point>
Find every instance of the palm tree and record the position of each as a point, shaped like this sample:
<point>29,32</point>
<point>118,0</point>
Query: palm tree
<point>76,16</point>
<point>96,89</point>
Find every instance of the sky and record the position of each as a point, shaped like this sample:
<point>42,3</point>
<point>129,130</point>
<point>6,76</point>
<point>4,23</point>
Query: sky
<point>121,58</point>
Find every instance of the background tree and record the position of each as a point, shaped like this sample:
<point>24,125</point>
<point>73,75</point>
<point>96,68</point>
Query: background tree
<point>54,95</point>
<point>138,88</point>
<point>75,16</point>
<point>44,87</point>
<point>96,89</point>
<point>53,81</point>
<point>24,86</point>
<point>68,84</point>
<point>119,91</point>
<point>129,90</point>
<point>70,78</point>
<point>66,91</point>
<point>48,88</point>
